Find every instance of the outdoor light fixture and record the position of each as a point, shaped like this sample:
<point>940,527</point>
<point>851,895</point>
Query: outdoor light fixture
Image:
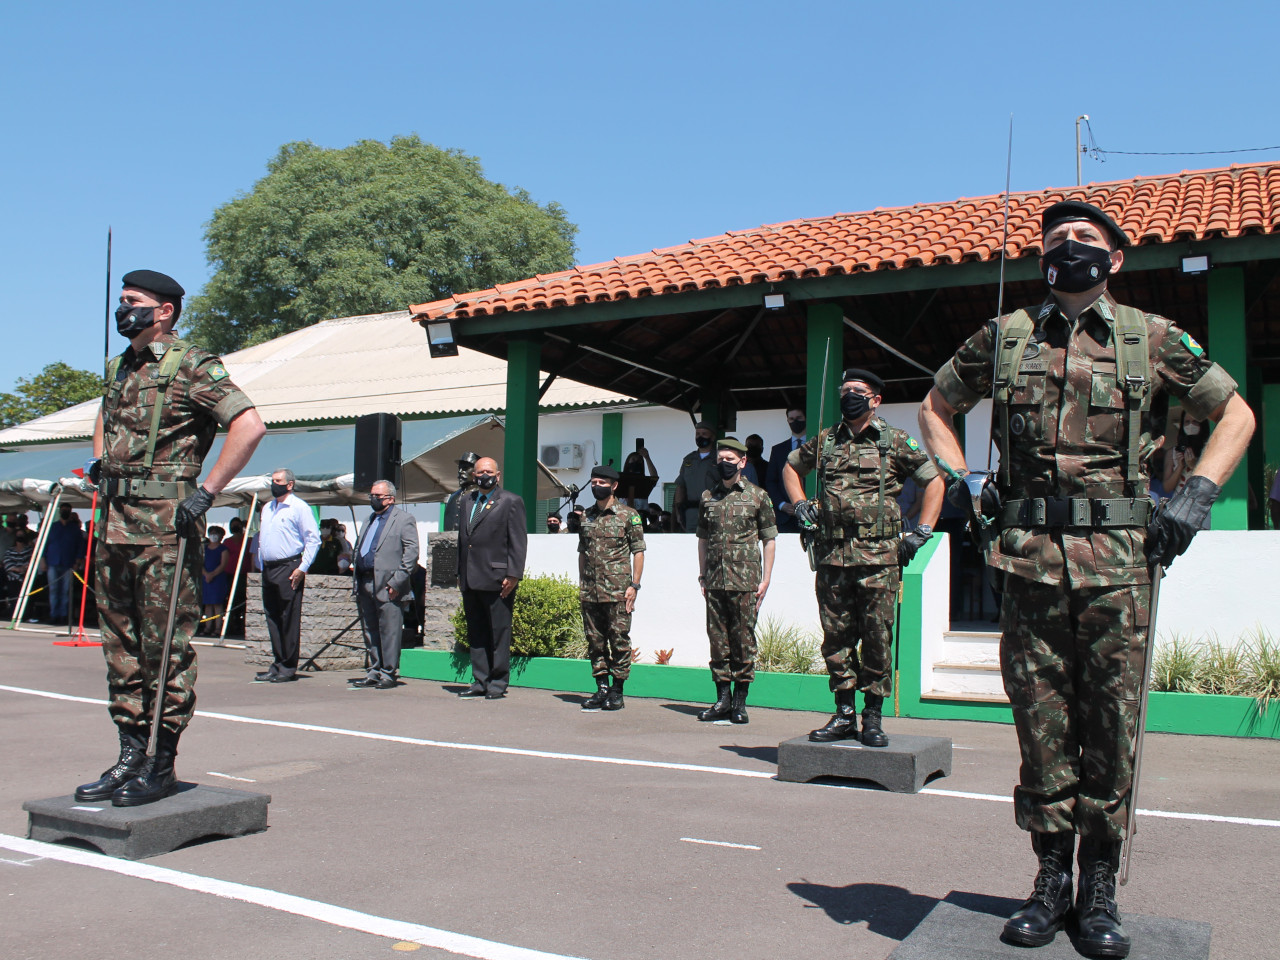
<point>1199,263</point>
<point>775,301</point>
<point>440,339</point>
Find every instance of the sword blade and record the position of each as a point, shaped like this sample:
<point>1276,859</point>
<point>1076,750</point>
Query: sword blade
<point>162,681</point>
<point>1126,848</point>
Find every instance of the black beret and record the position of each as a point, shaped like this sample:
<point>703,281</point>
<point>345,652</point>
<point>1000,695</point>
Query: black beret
<point>469,457</point>
<point>604,473</point>
<point>731,443</point>
<point>157,283</point>
<point>1067,210</point>
<point>866,376</point>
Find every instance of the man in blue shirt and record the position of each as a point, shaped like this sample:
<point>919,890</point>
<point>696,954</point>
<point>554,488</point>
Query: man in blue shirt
<point>287,543</point>
<point>64,547</point>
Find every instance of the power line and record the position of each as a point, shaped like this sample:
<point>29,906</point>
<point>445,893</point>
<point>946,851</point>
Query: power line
<point>1097,153</point>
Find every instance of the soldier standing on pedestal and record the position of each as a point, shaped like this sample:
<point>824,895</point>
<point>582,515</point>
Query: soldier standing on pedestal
<point>733,520</point>
<point>164,403</point>
<point>610,563</point>
<point>862,464</point>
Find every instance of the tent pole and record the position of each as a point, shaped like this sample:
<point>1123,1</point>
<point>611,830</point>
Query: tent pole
<point>244,542</point>
<point>37,553</point>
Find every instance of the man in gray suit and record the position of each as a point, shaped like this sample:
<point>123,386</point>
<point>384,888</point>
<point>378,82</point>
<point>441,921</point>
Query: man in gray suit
<point>493,537</point>
<point>386,555</point>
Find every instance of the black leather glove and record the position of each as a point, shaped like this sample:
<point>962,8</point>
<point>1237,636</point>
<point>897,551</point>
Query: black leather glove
<point>910,545</point>
<point>93,470</point>
<point>1183,516</point>
<point>190,510</point>
<point>807,513</point>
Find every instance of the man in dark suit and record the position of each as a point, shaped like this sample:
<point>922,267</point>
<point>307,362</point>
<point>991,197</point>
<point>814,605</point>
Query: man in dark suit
<point>493,537</point>
<point>785,510</point>
<point>385,557</point>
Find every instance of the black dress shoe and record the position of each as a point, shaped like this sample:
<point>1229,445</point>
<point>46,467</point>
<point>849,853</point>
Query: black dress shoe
<point>491,695</point>
<point>471,693</point>
<point>385,684</point>
<point>282,678</point>
<point>363,682</point>
<point>264,677</point>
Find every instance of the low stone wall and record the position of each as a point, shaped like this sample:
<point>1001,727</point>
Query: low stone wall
<point>328,613</point>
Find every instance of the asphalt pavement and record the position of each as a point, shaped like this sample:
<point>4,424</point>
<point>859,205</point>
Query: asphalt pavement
<point>538,828</point>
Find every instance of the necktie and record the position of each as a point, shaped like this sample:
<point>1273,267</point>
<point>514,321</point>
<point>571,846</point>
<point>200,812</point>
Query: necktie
<point>480,502</point>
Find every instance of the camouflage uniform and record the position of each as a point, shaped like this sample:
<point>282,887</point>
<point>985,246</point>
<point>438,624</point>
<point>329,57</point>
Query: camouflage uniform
<point>698,474</point>
<point>1076,597</point>
<point>734,521</point>
<point>606,542</point>
<point>137,547</point>
<point>857,548</point>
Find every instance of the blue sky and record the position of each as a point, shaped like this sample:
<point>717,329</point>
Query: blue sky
<point>651,123</point>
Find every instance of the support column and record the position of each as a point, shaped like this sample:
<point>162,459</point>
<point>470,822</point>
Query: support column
<point>520,453</point>
<point>1228,347</point>
<point>825,324</point>
<point>611,440</point>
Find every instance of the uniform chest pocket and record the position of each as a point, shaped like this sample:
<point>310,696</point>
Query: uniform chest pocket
<point>1105,390</point>
<point>1026,407</point>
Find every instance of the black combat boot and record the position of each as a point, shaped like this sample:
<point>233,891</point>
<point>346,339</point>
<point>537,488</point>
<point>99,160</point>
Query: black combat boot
<point>133,754</point>
<point>1039,919</point>
<point>157,779</point>
<point>1097,917</point>
<point>615,700</point>
<point>722,707</point>
<point>597,699</point>
<point>738,712</point>
<point>872,734</point>
<point>844,725</point>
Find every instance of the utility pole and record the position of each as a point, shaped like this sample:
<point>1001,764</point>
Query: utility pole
<point>1079,148</point>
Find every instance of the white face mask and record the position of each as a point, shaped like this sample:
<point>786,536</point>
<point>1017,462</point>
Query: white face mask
<point>1191,429</point>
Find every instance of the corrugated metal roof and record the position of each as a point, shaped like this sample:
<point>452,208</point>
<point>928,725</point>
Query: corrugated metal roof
<point>345,368</point>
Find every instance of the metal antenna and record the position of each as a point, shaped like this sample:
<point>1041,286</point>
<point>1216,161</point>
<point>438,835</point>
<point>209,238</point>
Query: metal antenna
<point>1004,242</point>
<point>106,323</point>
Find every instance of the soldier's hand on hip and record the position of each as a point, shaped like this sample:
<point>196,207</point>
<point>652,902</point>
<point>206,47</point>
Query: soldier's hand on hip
<point>807,513</point>
<point>187,519</point>
<point>1184,514</point>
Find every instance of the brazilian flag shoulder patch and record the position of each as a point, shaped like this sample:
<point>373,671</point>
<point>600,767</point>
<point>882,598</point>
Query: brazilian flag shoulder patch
<point>635,519</point>
<point>911,442</point>
<point>217,372</point>
<point>1189,342</point>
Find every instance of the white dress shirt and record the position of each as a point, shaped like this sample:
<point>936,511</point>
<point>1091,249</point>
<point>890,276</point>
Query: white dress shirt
<point>288,528</point>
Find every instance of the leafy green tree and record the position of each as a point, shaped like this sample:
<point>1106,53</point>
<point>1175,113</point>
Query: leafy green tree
<point>54,388</point>
<point>367,229</point>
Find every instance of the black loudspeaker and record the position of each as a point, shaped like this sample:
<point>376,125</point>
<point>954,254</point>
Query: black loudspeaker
<point>377,450</point>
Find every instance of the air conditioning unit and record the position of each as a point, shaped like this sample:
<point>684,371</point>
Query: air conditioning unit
<point>562,456</point>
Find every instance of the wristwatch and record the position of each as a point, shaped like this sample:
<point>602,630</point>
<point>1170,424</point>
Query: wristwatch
<point>634,585</point>
<point>925,529</point>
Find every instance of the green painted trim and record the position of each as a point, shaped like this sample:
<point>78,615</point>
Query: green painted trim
<point>1187,713</point>
<point>1228,343</point>
<point>520,449</point>
<point>611,439</point>
<point>824,321</point>
<point>909,629</point>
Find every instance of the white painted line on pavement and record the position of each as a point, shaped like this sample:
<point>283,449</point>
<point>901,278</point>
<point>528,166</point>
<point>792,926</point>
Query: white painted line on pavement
<point>618,761</point>
<point>457,943</point>
<point>215,773</point>
<point>720,843</point>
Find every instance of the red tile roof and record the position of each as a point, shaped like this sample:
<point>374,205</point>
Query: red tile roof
<point>1192,205</point>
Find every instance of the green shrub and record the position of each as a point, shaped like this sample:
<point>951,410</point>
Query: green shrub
<point>1263,661</point>
<point>1175,667</point>
<point>1249,668</point>
<point>1223,669</point>
<point>785,648</point>
<point>546,619</point>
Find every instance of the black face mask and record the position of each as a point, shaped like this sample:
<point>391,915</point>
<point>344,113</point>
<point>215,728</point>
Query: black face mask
<point>132,320</point>
<point>278,490</point>
<point>728,470</point>
<point>376,503</point>
<point>854,405</point>
<point>702,442</point>
<point>600,492</point>
<point>798,425</point>
<point>486,481</point>
<point>1075,267</point>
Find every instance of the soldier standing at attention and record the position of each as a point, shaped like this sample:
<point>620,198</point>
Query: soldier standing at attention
<point>610,563</point>
<point>733,520</point>
<point>697,475</point>
<point>164,403</point>
<point>1077,378</point>
<point>862,465</point>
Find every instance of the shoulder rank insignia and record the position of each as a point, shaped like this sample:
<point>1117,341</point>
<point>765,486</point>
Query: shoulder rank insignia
<point>1189,342</point>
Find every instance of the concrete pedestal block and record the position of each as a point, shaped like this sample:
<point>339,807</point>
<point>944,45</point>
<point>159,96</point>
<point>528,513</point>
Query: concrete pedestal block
<point>904,766</point>
<point>953,932</point>
<point>135,833</point>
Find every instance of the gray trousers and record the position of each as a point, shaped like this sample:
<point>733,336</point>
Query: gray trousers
<point>382,623</point>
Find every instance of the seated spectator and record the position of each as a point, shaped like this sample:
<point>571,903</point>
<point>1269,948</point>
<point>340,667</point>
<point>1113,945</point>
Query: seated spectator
<point>16,560</point>
<point>638,463</point>
<point>347,551</point>
<point>217,583</point>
